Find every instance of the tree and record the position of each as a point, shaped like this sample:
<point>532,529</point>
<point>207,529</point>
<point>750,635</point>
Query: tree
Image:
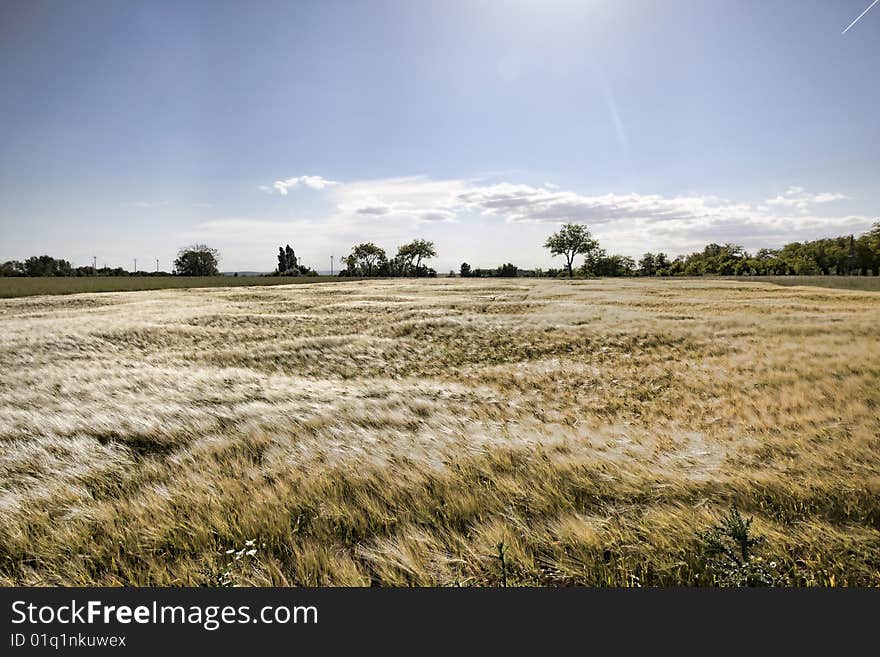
<point>12,268</point>
<point>654,265</point>
<point>715,259</point>
<point>197,260</point>
<point>47,266</point>
<point>661,263</point>
<point>465,270</point>
<point>508,270</point>
<point>623,265</point>
<point>365,259</point>
<point>871,245</point>
<point>282,260</point>
<point>287,264</point>
<point>647,267</point>
<point>571,240</point>
<point>412,255</point>
<point>599,263</point>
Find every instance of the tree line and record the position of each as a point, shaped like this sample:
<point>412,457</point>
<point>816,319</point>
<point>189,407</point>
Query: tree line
<point>39,266</point>
<point>194,260</point>
<point>367,259</point>
<point>507,270</point>
<point>840,256</point>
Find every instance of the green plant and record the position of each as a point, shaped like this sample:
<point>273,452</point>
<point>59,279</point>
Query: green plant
<point>503,563</point>
<point>729,548</point>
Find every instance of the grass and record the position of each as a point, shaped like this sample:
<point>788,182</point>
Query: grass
<point>13,287</point>
<point>863,283</point>
<point>439,432</point>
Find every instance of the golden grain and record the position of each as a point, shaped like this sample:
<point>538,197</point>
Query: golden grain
<point>395,432</point>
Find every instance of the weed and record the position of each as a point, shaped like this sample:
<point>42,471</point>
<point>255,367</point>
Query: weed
<point>730,551</point>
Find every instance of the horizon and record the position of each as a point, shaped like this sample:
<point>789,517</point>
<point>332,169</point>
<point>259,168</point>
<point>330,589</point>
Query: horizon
<point>480,126</point>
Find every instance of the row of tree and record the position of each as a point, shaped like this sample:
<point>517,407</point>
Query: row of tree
<point>39,266</point>
<point>841,256</point>
<point>367,259</point>
<point>508,270</point>
<point>42,266</point>
<point>195,260</point>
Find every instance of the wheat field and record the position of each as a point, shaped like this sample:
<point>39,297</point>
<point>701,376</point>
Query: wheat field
<point>438,432</point>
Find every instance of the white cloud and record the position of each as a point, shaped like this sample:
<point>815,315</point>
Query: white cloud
<point>412,199</point>
<point>826,197</point>
<point>312,182</point>
<point>524,203</point>
<point>656,214</point>
<point>800,199</point>
<point>150,204</point>
<point>394,208</point>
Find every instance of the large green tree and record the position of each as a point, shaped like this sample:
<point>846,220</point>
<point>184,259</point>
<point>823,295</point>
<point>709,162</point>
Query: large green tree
<point>570,241</point>
<point>12,268</point>
<point>412,255</point>
<point>197,260</point>
<point>47,266</point>
<point>365,259</point>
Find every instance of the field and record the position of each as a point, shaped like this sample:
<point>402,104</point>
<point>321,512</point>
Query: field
<point>22,287</point>
<point>439,432</point>
<point>863,283</point>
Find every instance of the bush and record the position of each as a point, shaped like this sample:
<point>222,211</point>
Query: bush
<point>729,551</point>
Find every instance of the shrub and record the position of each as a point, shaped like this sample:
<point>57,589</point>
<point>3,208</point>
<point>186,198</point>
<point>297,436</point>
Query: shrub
<point>729,551</point>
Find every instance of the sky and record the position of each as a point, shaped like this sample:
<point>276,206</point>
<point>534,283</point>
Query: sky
<point>131,129</point>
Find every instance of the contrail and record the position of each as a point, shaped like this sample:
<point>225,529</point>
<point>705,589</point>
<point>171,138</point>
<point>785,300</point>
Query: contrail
<point>860,16</point>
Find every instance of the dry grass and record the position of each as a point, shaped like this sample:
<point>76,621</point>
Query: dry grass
<point>395,432</point>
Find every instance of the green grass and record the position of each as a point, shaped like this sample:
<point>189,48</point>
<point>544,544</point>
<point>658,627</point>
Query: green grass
<point>26,287</point>
<point>861,283</point>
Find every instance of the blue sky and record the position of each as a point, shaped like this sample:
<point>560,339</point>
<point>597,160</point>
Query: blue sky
<point>130,129</point>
